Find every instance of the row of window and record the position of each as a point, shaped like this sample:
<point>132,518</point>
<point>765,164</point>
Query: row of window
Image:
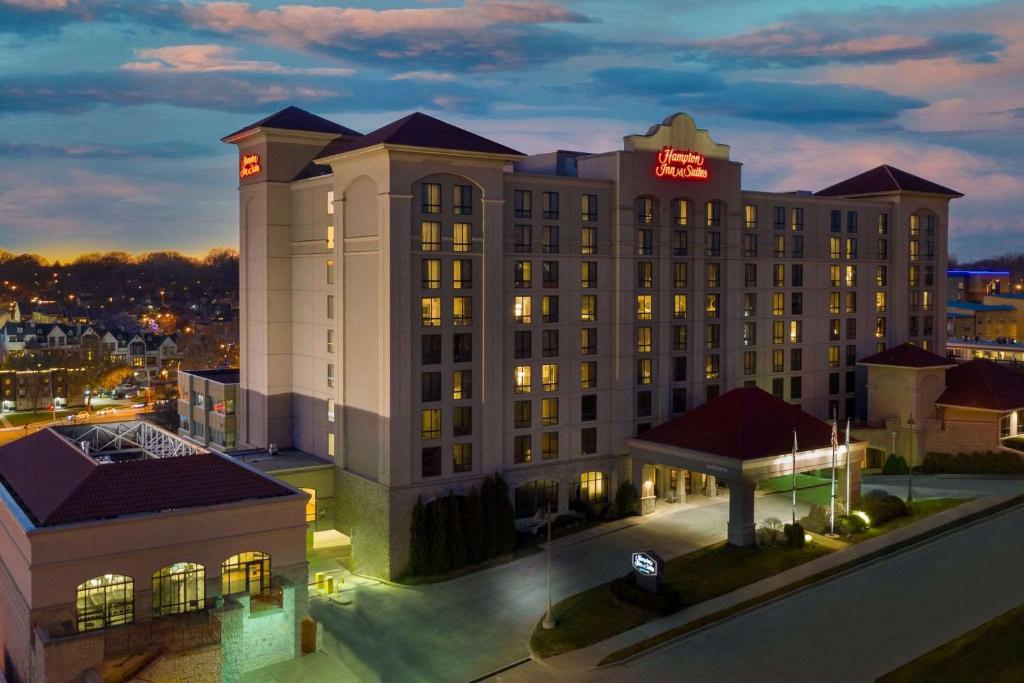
<point>522,202</point>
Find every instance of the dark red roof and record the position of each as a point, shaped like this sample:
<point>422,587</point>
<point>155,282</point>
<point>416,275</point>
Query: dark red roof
<point>420,130</point>
<point>984,384</point>
<point>883,179</point>
<point>58,484</point>
<point>293,118</point>
<point>908,356</point>
<point>746,424</point>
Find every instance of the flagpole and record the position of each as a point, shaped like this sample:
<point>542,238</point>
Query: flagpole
<point>832,507</point>
<point>794,476</point>
<point>847,465</point>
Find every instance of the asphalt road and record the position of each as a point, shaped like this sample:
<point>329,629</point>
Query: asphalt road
<point>854,627</point>
<point>123,414</point>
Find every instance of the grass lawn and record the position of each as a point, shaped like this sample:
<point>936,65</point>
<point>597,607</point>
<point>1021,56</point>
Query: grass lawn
<point>809,489</point>
<point>922,509</point>
<point>21,419</point>
<point>594,615</point>
<point>993,652</point>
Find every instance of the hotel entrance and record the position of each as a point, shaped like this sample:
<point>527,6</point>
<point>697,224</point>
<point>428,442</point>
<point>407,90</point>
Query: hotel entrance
<point>677,485</point>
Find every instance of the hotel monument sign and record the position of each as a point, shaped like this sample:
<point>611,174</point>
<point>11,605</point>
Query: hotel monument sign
<point>648,568</point>
<point>680,164</point>
<point>249,165</point>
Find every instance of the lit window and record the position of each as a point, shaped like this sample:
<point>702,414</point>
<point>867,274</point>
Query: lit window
<point>462,311</point>
<point>330,202</point>
<point>711,306</point>
<point>681,212</point>
<point>643,371</point>
<point>105,601</point>
<point>795,331</point>
<point>330,341</point>
<point>549,377</point>
<point>330,444</point>
<point>430,424</point>
<point>330,236</point>
<point>462,200</point>
<point>588,240</point>
<point>430,193</point>
<point>430,311</point>
<point>644,306</point>
<point>430,236</point>
<point>549,445</point>
<point>523,382</point>
<point>462,274</point>
<point>523,309</point>
<point>588,375</point>
<point>462,457</point>
<point>523,273</point>
<point>430,273</point>
<point>750,216</point>
<point>549,412</point>
<point>330,374</point>
<point>643,340</point>
<point>179,588</point>
<point>330,410</point>
<point>462,236</point>
<point>330,272</point>
<point>462,384</point>
<point>588,308</point>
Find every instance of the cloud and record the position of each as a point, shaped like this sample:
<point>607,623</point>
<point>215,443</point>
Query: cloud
<point>180,150</point>
<point>433,76</point>
<point>208,58</point>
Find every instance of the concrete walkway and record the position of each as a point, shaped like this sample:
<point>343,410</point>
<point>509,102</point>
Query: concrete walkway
<point>569,665</point>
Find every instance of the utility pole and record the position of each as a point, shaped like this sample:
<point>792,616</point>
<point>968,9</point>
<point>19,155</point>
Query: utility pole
<point>549,619</point>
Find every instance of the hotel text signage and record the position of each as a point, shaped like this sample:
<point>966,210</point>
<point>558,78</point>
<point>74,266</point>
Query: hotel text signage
<point>647,570</point>
<point>249,165</point>
<point>680,164</point>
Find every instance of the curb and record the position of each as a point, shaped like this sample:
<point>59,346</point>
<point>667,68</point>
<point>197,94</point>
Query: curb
<point>708,620</point>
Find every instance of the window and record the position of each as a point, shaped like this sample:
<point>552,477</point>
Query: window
<point>330,307</point>
<point>851,360</point>
<point>679,337</point>
<point>833,356</point>
<point>713,275</point>
<point>914,275</point>
<point>430,424</point>
<point>462,421</point>
<point>330,202</point>
<point>778,390</point>
<point>430,236</point>
<point>796,360</point>
<point>430,273</point>
<point>588,207</point>
<point>330,271</point>
<point>105,601</point>
<point>750,362</point>
<point>430,346</point>
<point>430,387</point>
<point>522,309</point>
<point>549,308</point>
<point>588,240</point>
<point>644,274</point>
<point>796,303</point>
<point>851,248</point>
<point>462,237</point>
<point>522,378</point>
<point>330,375</point>
<point>549,412</point>
<point>833,302</point>
<point>550,204</point>
<point>879,327</point>
<point>796,219</point>
<point>750,245</point>
<point>462,457</point>
<point>679,369</point>
<point>523,202</point>
<point>678,399</point>
<point>681,212</point>
<point>536,495</point>
<point>430,195</point>
<point>678,306</point>
<point>549,377</point>
<point>796,387</point>
<point>749,304</point>
<point>779,250</point>
<point>749,333</point>
<point>798,246</point>
<point>522,414</point>
<point>330,410</point>
<point>778,332</point>
<point>796,275</point>
<point>643,371</point>
<point>851,302</point>
<point>713,244</point>
<point>588,407</point>
<point>795,331</point>
<point>588,374</point>
<point>330,236</point>
<point>179,588</point>
<point>711,339</point>
<point>836,223</point>
<point>523,274</point>
<point>643,340</point>
<point>330,341</point>
<point>462,274</point>
<point>711,306</point>
<point>679,275</point>
<point>310,505</point>
<point>881,279</point>
<point>549,239</point>
<point>778,360</point>
<point>549,274</point>
<point>247,572</point>
<point>462,200</point>
<point>523,344</point>
<point>644,210</point>
<point>833,329</point>
<point>750,216</point>
<point>430,461</point>
<point>549,343</point>
<point>588,274</point>
<point>523,449</point>
<point>430,311</point>
<point>750,275</point>
<point>644,242</point>
<point>779,274</point>
<point>462,384</point>
<point>644,306</point>
<point>462,347</point>
<point>713,213</point>
<point>680,245</point>
<point>883,224</point>
<point>851,221</point>
<point>593,487</point>
<point>711,366</point>
<point>523,235</point>
<point>778,303</point>
<point>588,308</point>
<point>588,341</point>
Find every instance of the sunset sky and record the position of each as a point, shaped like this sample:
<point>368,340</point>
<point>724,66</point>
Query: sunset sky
<point>111,110</point>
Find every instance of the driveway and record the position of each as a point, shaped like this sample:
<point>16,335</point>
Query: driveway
<point>462,629</point>
<point>854,627</point>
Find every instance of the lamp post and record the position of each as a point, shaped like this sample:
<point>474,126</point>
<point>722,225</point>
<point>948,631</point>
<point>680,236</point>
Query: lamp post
<point>549,619</point>
<point>910,464</point>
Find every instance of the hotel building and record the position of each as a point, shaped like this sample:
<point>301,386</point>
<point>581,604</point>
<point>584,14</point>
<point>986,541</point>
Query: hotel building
<point>426,306</point>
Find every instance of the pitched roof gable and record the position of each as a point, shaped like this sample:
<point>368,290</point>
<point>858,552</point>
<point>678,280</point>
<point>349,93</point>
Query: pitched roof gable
<point>984,384</point>
<point>746,424</point>
<point>294,118</point>
<point>907,355</point>
<point>420,130</point>
<point>884,179</point>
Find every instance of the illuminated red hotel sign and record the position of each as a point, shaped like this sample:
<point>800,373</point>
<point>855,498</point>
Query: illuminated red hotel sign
<point>249,165</point>
<point>680,164</point>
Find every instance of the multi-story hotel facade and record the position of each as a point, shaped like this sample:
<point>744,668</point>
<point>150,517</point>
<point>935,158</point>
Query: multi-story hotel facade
<point>427,307</point>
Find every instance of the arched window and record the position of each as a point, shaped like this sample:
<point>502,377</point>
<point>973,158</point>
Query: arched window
<point>645,210</point>
<point>536,495</point>
<point>247,572</point>
<point>179,587</point>
<point>104,601</point>
<point>593,487</point>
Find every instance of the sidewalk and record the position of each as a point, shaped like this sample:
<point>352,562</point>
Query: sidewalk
<point>590,657</point>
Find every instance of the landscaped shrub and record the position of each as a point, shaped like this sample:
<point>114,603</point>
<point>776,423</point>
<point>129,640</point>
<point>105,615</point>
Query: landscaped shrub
<point>817,519</point>
<point>627,501</point>
<point>769,530</point>
<point>665,602</point>
<point>794,535</point>
<point>895,464</point>
<point>850,524</point>
<point>881,507</point>
<point>979,462</point>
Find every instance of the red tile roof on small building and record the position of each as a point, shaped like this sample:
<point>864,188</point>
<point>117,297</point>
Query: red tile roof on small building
<point>983,384</point>
<point>883,180</point>
<point>294,118</point>
<point>56,483</point>
<point>907,356</point>
<point>746,424</point>
<point>420,130</point>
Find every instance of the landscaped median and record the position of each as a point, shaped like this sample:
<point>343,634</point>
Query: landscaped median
<point>600,613</point>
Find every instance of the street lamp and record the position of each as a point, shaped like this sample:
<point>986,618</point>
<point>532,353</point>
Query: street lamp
<point>549,618</point>
<point>910,465</point>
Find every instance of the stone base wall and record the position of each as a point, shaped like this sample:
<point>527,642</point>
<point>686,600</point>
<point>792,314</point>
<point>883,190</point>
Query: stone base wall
<point>361,511</point>
<point>251,640</point>
<point>962,437</point>
<point>202,665</point>
<point>61,660</point>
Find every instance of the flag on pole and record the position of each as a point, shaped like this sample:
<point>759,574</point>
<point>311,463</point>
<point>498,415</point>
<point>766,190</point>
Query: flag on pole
<point>794,476</point>
<point>832,506</point>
